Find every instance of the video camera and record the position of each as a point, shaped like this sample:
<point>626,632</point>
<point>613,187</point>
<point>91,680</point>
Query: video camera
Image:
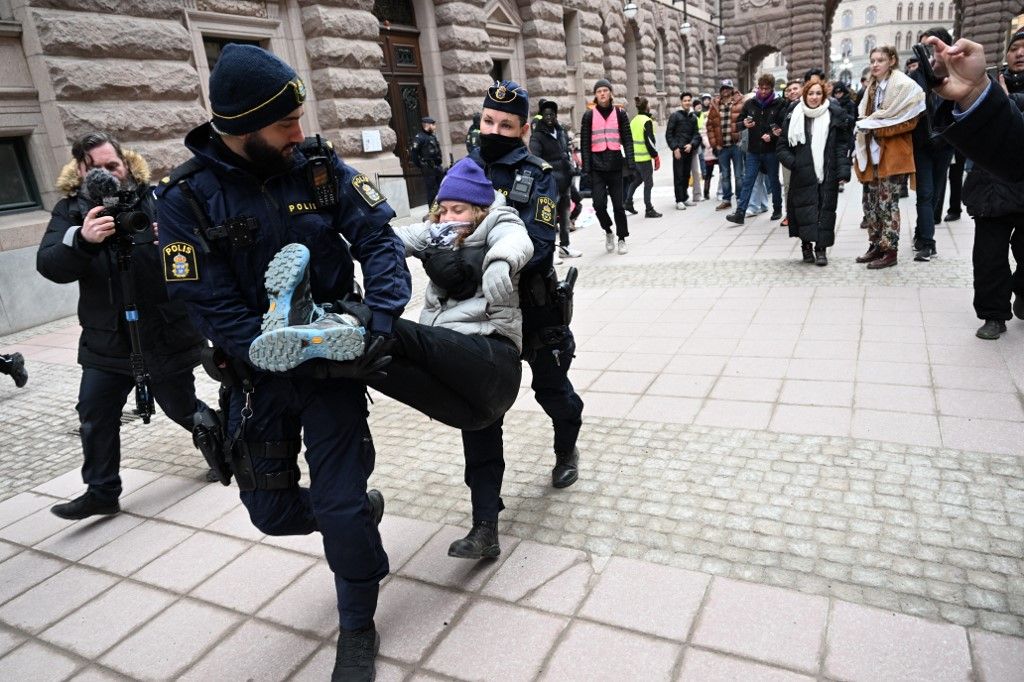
<point>130,224</point>
<point>131,227</point>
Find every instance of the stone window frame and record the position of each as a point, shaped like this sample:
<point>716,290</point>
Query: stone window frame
<point>275,32</point>
<point>871,16</point>
<point>846,19</point>
<point>506,37</point>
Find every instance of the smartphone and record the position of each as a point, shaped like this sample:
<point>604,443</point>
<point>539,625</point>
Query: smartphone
<point>924,64</point>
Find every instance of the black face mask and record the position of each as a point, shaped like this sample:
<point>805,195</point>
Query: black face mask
<point>494,146</point>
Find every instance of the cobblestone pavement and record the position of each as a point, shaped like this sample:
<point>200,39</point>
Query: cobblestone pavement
<point>830,430</point>
<point>181,586</point>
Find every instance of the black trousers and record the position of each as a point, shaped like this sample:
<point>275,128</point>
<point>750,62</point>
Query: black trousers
<point>577,200</point>
<point>485,469</point>
<point>564,200</point>
<point>993,280</point>
<point>681,169</point>
<point>644,176</point>
<point>465,381</point>
<point>605,184</point>
<point>101,397</point>
<point>330,417</point>
<point>956,183</point>
<point>462,380</point>
<point>432,179</point>
<point>555,393</point>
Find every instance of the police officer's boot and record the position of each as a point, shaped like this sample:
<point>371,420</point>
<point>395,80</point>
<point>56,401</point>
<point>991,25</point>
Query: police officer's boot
<point>355,656</point>
<point>287,284</point>
<point>566,470</point>
<point>480,543</point>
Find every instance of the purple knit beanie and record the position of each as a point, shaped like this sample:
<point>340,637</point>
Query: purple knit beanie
<point>466,182</point>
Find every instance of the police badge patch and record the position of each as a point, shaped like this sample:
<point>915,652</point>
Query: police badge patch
<point>546,211</point>
<point>370,194</point>
<point>180,263</point>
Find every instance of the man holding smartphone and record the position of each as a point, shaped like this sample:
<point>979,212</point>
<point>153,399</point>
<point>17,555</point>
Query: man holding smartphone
<point>762,116</point>
<point>932,156</point>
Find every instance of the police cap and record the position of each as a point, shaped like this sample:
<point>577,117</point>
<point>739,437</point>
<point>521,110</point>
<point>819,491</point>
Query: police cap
<point>508,96</point>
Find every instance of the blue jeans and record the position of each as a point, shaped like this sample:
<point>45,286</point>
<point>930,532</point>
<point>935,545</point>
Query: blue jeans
<point>759,197</point>
<point>760,163</point>
<point>931,165</point>
<point>734,155</point>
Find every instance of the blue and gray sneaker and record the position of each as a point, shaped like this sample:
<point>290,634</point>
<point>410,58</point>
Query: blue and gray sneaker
<point>332,337</point>
<point>287,284</point>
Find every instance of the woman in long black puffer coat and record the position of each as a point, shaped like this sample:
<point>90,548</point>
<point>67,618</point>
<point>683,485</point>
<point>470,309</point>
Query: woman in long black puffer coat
<point>815,146</point>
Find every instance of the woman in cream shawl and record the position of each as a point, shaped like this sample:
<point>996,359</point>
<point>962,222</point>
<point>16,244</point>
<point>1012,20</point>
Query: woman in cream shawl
<point>884,152</point>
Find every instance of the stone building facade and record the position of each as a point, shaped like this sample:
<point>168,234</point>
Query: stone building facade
<point>861,25</point>
<point>139,68</point>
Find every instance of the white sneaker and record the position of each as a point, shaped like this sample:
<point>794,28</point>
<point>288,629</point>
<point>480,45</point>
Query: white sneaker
<point>558,260</point>
<point>609,242</point>
<point>569,252</point>
<point>691,203</point>
<point>680,206</point>
<point>622,247</point>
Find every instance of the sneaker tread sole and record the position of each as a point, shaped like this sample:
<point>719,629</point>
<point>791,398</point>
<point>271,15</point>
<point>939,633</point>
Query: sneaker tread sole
<point>287,348</point>
<point>284,276</point>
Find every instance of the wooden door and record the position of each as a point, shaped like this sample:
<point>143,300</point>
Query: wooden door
<point>407,97</point>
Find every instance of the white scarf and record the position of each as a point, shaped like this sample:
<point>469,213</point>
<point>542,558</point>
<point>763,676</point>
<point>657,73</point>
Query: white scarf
<point>904,100</point>
<point>819,132</point>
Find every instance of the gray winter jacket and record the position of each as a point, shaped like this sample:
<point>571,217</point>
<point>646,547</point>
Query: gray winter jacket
<point>505,238</point>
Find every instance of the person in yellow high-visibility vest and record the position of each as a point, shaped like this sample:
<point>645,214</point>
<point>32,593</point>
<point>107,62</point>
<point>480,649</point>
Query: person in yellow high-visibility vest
<point>646,154</point>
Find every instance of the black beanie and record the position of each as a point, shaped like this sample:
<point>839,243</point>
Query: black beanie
<point>251,88</point>
<point>602,83</point>
<point>508,96</point>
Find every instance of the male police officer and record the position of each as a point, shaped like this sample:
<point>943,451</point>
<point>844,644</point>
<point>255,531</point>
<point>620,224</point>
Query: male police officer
<point>116,267</point>
<point>255,185</point>
<point>426,155</point>
<point>548,343</point>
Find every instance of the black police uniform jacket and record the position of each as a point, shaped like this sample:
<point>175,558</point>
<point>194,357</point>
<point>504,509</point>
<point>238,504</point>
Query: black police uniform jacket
<point>539,213</point>
<point>170,343</point>
<point>426,150</point>
<point>222,283</point>
<point>810,205</point>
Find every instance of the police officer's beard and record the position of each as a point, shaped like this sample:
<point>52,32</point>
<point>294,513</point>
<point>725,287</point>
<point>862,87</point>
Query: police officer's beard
<point>269,160</point>
<point>494,146</point>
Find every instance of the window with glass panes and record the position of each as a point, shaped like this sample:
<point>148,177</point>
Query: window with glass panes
<point>18,190</point>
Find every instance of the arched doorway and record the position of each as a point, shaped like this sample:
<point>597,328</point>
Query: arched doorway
<point>750,62</point>
<point>402,69</point>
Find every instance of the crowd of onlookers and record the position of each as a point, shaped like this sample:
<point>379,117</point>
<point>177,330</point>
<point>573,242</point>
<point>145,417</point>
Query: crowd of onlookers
<point>793,152</point>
